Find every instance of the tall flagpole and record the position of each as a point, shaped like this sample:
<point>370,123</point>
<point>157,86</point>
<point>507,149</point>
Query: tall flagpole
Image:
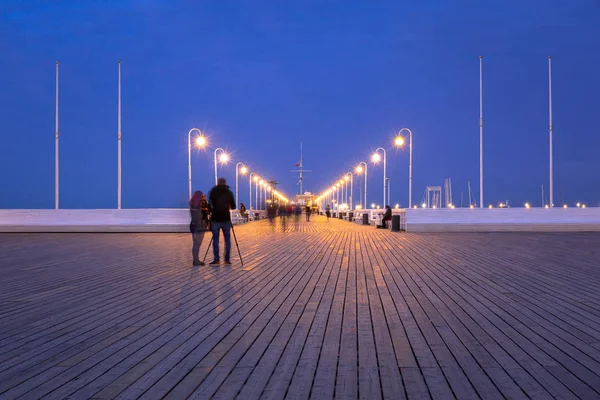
<point>56,146</point>
<point>480,131</point>
<point>550,128</point>
<point>119,137</point>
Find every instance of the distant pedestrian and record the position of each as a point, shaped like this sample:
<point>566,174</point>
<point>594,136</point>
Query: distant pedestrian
<point>307,211</point>
<point>197,225</point>
<point>221,202</point>
<point>387,216</point>
<point>328,212</point>
<point>243,212</point>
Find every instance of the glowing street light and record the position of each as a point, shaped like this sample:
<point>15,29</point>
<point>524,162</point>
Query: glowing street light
<point>376,158</point>
<point>359,169</point>
<point>223,158</point>
<point>243,170</point>
<point>200,141</point>
<point>252,177</point>
<point>351,179</point>
<point>399,142</point>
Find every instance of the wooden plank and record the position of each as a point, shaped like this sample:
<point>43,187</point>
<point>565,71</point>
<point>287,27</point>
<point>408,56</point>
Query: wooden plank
<point>321,309</point>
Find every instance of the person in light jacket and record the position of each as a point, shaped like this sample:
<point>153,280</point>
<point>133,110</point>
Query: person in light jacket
<point>197,225</point>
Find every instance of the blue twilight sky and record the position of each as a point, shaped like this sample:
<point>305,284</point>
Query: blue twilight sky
<point>261,76</point>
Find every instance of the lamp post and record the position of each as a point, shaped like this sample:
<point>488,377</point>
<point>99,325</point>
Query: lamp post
<point>351,186</point>
<point>200,142</point>
<point>376,158</point>
<point>56,134</point>
<point>119,137</point>
<point>400,142</point>
<point>250,184</point>
<point>359,169</point>
<point>223,158</point>
<point>261,185</point>
<point>243,170</point>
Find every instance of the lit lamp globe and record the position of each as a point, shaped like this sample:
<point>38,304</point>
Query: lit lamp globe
<point>200,141</point>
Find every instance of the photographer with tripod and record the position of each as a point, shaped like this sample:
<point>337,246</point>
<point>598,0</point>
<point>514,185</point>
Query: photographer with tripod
<point>221,201</point>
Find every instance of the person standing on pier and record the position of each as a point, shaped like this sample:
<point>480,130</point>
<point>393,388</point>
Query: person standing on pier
<point>221,202</point>
<point>197,225</point>
<point>328,212</point>
<point>307,210</point>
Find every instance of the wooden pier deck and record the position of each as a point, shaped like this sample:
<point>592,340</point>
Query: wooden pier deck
<point>325,309</point>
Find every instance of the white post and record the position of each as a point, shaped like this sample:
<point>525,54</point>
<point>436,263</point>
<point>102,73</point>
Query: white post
<point>351,188</point>
<point>551,195</point>
<point>384,176</point>
<point>480,131</point>
<point>389,189</point>
<point>119,137</point>
<point>410,171</point>
<point>56,134</point>
<point>215,153</point>
<point>190,164</point>
<point>250,193</point>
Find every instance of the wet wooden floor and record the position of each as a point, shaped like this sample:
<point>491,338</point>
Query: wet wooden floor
<point>326,309</point>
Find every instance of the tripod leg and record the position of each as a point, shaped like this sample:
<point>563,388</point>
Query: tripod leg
<point>207,249</point>
<point>236,243</point>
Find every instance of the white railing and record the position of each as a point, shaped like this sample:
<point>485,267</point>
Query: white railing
<point>103,220</point>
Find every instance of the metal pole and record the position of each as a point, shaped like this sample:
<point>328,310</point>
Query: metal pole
<point>389,189</point>
<point>384,176</point>
<point>351,188</point>
<point>56,134</point>
<point>365,164</point>
<point>215,154</point>
<point>410,171</point>
<point>189,164</point>
<point>250,195</point>
<point>551,195</point>
<point>236,186</point>
<point>480,131</point>
<point>119,137</point>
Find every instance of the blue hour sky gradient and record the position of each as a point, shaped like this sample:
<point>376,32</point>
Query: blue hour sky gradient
<point>259,77</point>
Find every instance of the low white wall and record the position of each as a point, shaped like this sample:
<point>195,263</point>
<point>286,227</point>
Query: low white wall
<point>503,220</point>
<point>105,220</point>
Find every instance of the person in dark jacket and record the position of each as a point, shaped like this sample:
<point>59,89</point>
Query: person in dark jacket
<point>387,216</point>
<point>197,225</point>
<point>308,210</point>
<point>221,201</point>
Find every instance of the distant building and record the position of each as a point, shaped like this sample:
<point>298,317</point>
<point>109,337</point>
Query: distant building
<point>306,199</point>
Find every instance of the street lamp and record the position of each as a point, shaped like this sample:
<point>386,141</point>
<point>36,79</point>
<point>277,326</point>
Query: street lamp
<point>250,181</point>
<point>351,186</point>
<point>200,141</point>
<point>223,158</point>
<point>261,184</point>
<point>399,142</point>
<point>243,170</point>
<point>359,169</point>
<point>376,158</point>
